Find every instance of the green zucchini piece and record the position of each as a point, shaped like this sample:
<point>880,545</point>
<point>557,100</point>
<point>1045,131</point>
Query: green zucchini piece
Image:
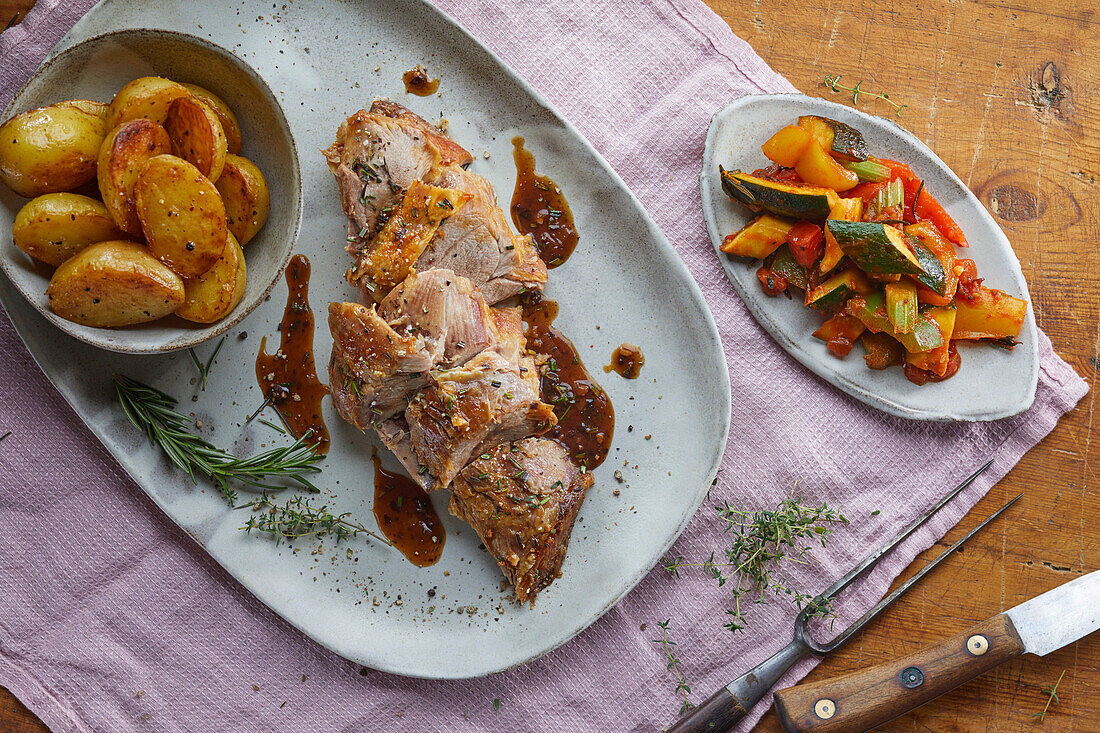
<point>784,265</point>
<point>835,291</point>
<point>846,142</point>
<point>782,199</point>
<point>876,248</point>
<point>901,305</point>
<point>871,310</point>
<point>870,171</point>
<point>934,276</point>
<point>759,238</point>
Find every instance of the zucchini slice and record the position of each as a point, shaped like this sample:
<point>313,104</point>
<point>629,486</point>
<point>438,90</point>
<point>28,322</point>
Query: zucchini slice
<point>871,310</point>
<point>844,141</point>
<point>780,199</point>
<point>835,291</point>
<point>759,238</point>
<point>876,248</point>
<point>934,276</point>
<point>783,264</point>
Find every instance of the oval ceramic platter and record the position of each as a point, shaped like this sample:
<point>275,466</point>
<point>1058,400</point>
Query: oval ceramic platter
<point>624,283</point>
<point>992,383</point>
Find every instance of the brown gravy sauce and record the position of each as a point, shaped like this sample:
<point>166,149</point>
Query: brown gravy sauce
<point>288,377</point>
<point>417,82</point>
<point>627,361</point>
<point>405,515</point>
<point>586,420</point>
<point>539,209</point>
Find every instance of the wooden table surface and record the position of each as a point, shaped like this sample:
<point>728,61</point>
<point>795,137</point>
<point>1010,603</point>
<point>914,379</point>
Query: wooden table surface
<point>999,89</point>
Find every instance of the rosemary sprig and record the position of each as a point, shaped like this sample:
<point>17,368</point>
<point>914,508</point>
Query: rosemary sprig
<point>761,540</point>
<point>204,369</point>
<point>833,82</point>
<point>1051,691</point>
<point>297,518</point>
<point>682,687</point>
<point>151,411</point>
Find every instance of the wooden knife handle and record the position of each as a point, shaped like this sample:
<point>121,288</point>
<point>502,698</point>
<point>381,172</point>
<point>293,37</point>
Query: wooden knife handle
<point>861,700</point>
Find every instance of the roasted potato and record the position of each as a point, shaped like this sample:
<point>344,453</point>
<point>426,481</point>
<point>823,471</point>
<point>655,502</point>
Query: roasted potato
<point>147,97</point>
<point>99,109</point>
<point>214,294</point>
<point>50,149</point>
<point>229,120</point>
<point>125,151</point>
<point>182,215</point>
<point>196,136</point>
<point>246,196</point>
<point>112,284</point>
<point>55,226</point>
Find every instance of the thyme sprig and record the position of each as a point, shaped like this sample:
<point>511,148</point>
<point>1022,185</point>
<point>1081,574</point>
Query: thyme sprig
<point>152,412</point>
<point>296,518</point>
<point>204,369</point>
<point>682,687</point>
<point>833,82</point>
<point>761,541</point>
<point>1051,691</point>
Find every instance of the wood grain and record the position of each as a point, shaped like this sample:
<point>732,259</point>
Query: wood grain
<point>999,89</point>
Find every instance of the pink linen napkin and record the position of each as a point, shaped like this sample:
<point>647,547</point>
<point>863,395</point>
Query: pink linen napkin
<point>111,618</point>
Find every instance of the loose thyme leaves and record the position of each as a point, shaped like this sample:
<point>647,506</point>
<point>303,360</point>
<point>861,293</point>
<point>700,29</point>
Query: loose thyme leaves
<point>151,411</point>
<point>761,540</point>
<point>298,518</point>
<point>204,369</point>
<point>682,687</point>
<point>833,82</point>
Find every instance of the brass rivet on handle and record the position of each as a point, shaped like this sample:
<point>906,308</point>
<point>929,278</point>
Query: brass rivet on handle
<point>977,645</point>
<point>824,708</point>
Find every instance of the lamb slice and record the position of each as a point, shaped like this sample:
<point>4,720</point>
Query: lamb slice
<point>376,156</point>
<point>394,434</point>
<point>388,257</point>
<point>522,499</point>
<point>373,369</point>
<point>451,153</point>
<point>478,243</point>
<point>464,411</point>
<point>447,309</point>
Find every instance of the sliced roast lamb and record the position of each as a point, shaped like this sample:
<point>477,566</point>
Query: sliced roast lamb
<point>377,156</point>
<point>522,498</point>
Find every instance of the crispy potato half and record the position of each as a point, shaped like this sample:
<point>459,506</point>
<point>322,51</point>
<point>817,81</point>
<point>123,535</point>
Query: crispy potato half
<point>114,284</point>
<point>214,294</point>
<point>125,151</point>
<point>55,226</point>
<point>182,215</point>
<point>196,135</point>
<point>50,149</point>
<point>146,97</point>
<point>246,196</point>
<point>229,122</point>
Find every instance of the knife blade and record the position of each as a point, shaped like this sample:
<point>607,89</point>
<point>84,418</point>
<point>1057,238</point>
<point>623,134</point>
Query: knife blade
<point>869,697</point>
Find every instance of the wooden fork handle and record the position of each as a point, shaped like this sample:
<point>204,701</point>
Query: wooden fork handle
<point>867,698</point>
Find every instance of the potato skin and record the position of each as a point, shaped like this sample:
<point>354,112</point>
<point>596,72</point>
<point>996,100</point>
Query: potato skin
<point>146,97</point>
<point>182,215</point>
<point>92,107</point>
<point>50,149</point>
<point>247,198</point>
<point>55,226</point>
<point>197,136</point>
<point>214,294</point>
<point>113,284</point>
<point>229,122</point>
<point>122,157</point>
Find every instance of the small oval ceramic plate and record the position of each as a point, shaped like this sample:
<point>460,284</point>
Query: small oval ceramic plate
<point>97,68</point>
<point>992,383</point>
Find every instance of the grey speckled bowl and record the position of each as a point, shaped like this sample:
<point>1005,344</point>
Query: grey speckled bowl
<point>95,69</point>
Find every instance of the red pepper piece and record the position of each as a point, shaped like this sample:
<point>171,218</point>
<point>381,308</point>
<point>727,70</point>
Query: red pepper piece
<point>806,242</point>
<point>926,206</point>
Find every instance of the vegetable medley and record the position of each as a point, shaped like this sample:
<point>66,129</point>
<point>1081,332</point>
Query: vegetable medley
<point>870,248</point>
